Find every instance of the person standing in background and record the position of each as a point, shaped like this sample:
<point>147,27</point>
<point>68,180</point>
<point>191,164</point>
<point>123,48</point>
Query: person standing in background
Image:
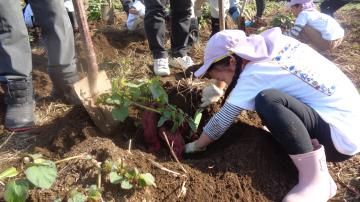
<point>155,31</point>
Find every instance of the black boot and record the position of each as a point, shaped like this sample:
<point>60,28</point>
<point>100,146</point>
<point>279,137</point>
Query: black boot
<point>63,86</point>
<point>20,105</point>
<point>215,26</point>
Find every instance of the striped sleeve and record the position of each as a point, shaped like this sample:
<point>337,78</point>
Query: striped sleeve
<point>221,121</point>
<point>294,31</point>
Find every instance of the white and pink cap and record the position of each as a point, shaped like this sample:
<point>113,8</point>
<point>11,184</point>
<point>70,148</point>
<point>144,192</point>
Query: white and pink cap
<point>307,4</point>
<point>253,48</point>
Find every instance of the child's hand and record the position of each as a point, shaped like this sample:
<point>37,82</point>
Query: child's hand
<point>192,148</point>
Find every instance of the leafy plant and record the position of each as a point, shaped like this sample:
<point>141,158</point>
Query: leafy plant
<point>139,94</point>
<point>128,178</point>
<point>285,21</point>
<point>92,194</point>
<point>39,173</point>
<point>94,9</point>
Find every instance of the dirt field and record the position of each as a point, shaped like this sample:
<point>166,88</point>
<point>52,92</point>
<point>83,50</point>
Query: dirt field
<point>244,165</point>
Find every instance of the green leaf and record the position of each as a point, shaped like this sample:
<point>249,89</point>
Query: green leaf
<point>197,118</point>
<point>115,178</point>
<point>147,179</point>
<point>76,196</point>
<point>192,125</point>
<point>42,175</point>
<point>114,99</point>
<point>135,93</point>
<point>158,93</point>
<point>120,114</point>
<point>161,121</point>
<point>125,184</point>
<point>16,191</point>
<point>57,200</point>
<point>94,193</point>
<point>10,172</point>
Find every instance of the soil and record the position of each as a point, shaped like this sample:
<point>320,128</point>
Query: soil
<point>246,164</point>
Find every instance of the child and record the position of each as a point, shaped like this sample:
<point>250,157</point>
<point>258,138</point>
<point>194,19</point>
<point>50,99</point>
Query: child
<point>318,29</point>
<point>309,105</point>
<point>135,21</point>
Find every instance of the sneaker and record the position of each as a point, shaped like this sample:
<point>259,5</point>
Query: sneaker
<point>181,62</point>
<point>161,67</point>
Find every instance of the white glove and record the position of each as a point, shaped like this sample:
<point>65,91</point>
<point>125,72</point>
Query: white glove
<point>211,94</point>
<point>192,148</point>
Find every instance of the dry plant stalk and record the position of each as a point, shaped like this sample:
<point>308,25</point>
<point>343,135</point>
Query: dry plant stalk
<point>173,153</point>
<point>161,167</point>
<point>7,140</point>
<point>129,147</point>
<point>348,186</point>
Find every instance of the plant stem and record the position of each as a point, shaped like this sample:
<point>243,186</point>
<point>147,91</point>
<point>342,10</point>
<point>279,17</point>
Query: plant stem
<point>69,158</point>
<point>145,107</point>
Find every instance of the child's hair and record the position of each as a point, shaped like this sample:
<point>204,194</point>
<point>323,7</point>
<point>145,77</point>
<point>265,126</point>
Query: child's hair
<point>238,70</point>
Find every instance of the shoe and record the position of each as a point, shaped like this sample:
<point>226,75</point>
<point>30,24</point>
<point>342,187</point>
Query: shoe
<point>315,183</point>
<point>161,67</point>
<point>63,86</point>
<point>181,62</point>
<point>20,105</point>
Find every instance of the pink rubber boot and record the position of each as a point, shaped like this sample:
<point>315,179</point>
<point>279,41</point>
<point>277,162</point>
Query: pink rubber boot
<point>315,183</point>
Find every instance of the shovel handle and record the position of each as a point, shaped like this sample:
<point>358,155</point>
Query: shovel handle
<point>89,47</point>
<point>221,15</point>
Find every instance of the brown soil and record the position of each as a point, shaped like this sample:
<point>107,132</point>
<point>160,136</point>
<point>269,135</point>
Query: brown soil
<point>246,164</point>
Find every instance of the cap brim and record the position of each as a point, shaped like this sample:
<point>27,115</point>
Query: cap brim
<point>288,5</point>
<point>202,70</point>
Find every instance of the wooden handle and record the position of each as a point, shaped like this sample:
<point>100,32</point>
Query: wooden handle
<point>89,47</point>
<point>221,15</point>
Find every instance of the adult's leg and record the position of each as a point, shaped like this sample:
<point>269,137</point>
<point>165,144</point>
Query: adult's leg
<point>260,7</point>
<point>58,36</point>
<point>15,68</point>
<point>15,52</point>
<point>294,124</point>
<point>180,25</point>
<point>155,27</point>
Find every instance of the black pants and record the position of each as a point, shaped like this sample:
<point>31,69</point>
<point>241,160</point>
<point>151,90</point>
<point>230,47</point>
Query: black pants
<point>260,7</point>
<point>293,124</point>
<point>330,6</point>
<point>155,26</point>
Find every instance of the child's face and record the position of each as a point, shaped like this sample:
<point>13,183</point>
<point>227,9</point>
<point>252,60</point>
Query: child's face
<point>295,10</point>
<point>223,73</point>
